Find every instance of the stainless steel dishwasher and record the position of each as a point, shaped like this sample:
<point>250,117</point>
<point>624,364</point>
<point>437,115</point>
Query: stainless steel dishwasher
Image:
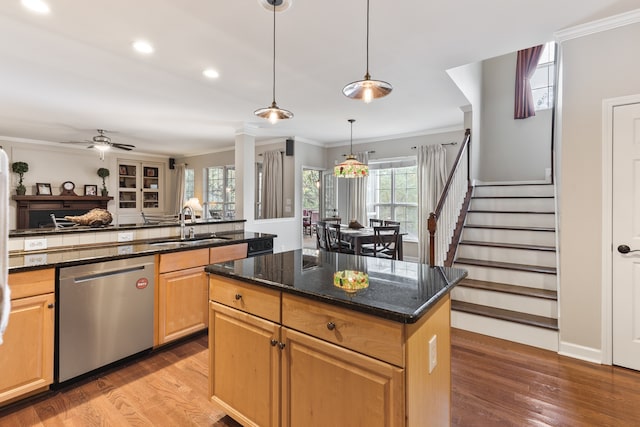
<point>105,313</point>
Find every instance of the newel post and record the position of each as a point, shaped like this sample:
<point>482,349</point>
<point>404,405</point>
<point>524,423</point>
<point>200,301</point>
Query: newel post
<point>431,226</point>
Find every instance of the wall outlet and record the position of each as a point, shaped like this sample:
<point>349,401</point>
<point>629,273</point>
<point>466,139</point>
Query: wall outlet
<point>35,244</point>
<point>433,353</point>
<point>125,236</point>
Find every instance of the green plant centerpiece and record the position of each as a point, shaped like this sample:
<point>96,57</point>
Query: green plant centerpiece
<point>103,173</point>
<point>20,168</point>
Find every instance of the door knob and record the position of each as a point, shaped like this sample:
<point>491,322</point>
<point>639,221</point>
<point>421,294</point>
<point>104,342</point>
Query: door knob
<point>624,249</point>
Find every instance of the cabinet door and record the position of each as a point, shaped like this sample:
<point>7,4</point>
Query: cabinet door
<point>326,385</point>
<point>26,356</point>
<point>140,186</point>
<point>182,303</point>
<point>128,185</point>
<point>244,375</point>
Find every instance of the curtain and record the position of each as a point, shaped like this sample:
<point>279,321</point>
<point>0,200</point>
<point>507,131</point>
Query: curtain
<point>358,194</point>
<point>432,175</point>
<point>525,67</point>
<point>272,184</point>
<point>180,188</point>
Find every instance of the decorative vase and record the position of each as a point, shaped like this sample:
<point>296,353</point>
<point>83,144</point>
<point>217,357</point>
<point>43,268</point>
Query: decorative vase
<point>104,192</point>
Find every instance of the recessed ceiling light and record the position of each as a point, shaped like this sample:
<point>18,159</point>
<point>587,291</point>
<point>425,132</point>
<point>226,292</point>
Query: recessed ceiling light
<point>143,46</point>
<point>37,6</point>
<point>211,73</point>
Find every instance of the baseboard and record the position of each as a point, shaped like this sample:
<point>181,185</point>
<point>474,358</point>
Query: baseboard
<point>576,351</point>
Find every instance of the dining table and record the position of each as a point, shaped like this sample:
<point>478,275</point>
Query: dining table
<point>357,237</point>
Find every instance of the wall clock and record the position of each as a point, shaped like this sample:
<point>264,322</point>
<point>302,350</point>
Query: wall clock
<point>67,189</point>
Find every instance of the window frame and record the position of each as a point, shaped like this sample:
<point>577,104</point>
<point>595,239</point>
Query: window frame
<point>228,201</point>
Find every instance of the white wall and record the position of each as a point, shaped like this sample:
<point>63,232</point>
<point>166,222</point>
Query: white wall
<point>595,67</point>
<point>512,150</point>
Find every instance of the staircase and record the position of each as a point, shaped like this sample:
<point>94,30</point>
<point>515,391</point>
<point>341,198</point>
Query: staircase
<point>508,246</point>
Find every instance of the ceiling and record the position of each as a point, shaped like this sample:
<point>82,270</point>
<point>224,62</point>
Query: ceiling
<point>72,71</point>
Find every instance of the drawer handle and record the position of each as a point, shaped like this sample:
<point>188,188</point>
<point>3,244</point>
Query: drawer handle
<point>331,326</point>
<point>274,343</point>
<point>238,297</point>
<point>50,306</point>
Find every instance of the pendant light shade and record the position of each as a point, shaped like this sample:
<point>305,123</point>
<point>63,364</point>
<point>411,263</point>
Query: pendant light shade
<point>351,167</point>
<point>274,113</point>
<point>367,89</point>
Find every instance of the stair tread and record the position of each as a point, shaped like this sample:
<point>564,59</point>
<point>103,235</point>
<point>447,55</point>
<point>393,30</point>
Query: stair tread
<point>507,265</point>
<point>509,315</point>
<point>509,245</point>
<point>510,227</point>
<point>508,288</point>
<point>512,197</point>
<point>509,212</point>
<point>519,184</point>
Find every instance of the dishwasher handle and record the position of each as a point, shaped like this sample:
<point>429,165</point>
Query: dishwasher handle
<point>89,277</point>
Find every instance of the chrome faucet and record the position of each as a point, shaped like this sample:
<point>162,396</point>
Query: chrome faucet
<point>182,216</point>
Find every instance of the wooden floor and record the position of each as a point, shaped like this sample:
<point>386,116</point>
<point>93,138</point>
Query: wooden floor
<point>495,383</point>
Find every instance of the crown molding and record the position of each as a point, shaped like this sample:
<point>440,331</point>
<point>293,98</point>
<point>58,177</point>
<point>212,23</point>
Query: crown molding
<point>598,26</point>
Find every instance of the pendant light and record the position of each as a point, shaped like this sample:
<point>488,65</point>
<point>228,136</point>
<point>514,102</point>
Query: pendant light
<point>367,89</point>
<point>351,167</point>
<point>273,113</point>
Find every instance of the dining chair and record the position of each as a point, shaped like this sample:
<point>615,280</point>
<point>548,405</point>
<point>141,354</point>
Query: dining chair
<point>390,222</point>
<point>385,242</point>
<point>306,223</point>
<point>374,222</point>
<point>333,219</point>
<point>334,239</point>
<point>321,235</point>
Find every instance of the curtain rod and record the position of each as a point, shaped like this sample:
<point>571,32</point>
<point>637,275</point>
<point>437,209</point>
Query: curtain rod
<point>444,143</point>
<point>368,152</point>
<point>281,152</point>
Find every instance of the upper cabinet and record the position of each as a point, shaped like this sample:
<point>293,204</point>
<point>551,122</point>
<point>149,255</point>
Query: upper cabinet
<point>140,186</point>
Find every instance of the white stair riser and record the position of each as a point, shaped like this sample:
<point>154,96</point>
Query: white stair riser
<point>524,237</point>
<point>513,190</point>
<point>511,277</point>
<point>511,219</point>
<point>524,334</point>
<point>537,205</point>
<point>514,256</point>
<point>506,301</point>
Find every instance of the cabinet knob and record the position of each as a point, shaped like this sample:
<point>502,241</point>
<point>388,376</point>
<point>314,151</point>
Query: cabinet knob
<point>281,345</point>
<point>274,342</point>
<point>331,326</point>
<point>238,297</point>
<point>51,305</point>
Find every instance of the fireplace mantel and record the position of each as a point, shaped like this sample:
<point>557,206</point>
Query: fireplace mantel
<point>59,205</point>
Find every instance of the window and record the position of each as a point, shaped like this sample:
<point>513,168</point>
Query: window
<point>220,194</point>
<point>543,80</point>
<point>189,184</point>
<point>393,193</point>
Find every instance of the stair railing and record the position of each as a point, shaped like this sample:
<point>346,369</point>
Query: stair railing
<point>442,222</point>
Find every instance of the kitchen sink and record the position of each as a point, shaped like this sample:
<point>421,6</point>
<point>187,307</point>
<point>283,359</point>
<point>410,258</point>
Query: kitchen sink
<point>199,239</point>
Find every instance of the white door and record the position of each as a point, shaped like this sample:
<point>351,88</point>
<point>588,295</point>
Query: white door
<point>626,236</point>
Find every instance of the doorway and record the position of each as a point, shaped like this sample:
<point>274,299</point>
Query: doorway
<point>311,205</point>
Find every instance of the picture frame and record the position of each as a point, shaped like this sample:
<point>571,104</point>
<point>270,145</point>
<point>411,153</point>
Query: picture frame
<point>123,170</point>
<point>90,190</point>
<point>151,172</point>
<point>43,189</point>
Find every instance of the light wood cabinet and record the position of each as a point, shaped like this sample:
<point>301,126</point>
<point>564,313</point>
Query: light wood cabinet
<point>26,356</point>
<point>182,290</point>
<point>323,365</point>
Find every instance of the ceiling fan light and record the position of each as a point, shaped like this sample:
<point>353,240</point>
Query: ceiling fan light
<point>102,147</point>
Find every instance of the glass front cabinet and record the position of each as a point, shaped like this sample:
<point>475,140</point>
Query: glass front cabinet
<point>140,187</point>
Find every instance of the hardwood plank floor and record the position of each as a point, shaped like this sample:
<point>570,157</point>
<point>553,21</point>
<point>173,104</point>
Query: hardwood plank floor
<point>495,383</point>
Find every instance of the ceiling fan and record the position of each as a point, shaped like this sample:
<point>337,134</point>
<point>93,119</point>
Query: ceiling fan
<point>102,143</point>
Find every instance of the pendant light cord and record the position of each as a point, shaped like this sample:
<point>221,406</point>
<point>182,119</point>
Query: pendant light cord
<point>274,51</point>
<point>351,138</point>
<point>367,39</point>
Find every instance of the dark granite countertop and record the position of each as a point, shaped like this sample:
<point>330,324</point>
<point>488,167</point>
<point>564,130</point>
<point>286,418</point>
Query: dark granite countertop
<point>397,290</point>
<point>85,254</point>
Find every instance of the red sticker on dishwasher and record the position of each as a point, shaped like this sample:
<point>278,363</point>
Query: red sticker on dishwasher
<point>142,283</point>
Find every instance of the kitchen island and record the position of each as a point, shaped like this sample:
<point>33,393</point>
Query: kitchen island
<point>314,338</point>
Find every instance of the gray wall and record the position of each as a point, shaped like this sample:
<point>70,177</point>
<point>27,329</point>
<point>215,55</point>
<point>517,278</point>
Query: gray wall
<point>595,67</point>
<point>512,150</point>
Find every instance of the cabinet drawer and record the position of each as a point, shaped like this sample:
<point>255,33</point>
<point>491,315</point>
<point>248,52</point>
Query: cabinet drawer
<point>181,260</point>
<point>227,253</point>
<point>262,302</point>
<point>30,283</point>
<point>370,335</point>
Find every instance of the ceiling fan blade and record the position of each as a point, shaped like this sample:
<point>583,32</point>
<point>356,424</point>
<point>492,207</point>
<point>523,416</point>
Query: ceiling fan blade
<point>75,142</point>
<point>127,147</point>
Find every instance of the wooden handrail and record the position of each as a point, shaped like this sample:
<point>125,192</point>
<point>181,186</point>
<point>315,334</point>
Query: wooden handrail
<point>434,216</point>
